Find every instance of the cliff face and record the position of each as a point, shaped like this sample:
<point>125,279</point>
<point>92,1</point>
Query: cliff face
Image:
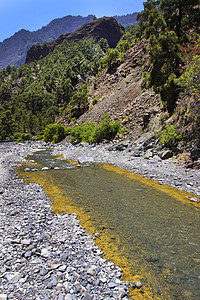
<point>107,28</point>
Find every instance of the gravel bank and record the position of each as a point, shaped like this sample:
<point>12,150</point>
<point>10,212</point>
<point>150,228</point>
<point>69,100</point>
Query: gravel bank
<point>45,255</point>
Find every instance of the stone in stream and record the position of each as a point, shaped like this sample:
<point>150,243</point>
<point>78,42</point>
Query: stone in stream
<point>85,159</point>
<point>194,199</point>
<point>138,284</point>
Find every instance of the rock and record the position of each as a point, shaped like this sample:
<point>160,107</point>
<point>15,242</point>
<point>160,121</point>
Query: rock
<point>28,254</point>
<point>165,154</point>
<point>61,297</point>
<point>138,284</point>
<point>194,199</point>
<point>120,147</point>
<point>136,153</point>
<point>62,268</point>
<point>13,277</point>
<point>92,270</point>
<point>85,159</point>
<point>78,286</point>
<point>43,271</point>
<point>87,297</point>
<point>69,297</point>
<point>54,280</point>
<point>148,154</point>
<point>67,286</point>
<point>45,253</point>
<point>112,284</point>
<point>195,154</point>
<point>132,284</point>
<point>26,242</point>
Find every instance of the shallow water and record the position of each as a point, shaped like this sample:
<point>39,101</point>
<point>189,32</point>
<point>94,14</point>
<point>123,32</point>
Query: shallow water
<point>157,234</point>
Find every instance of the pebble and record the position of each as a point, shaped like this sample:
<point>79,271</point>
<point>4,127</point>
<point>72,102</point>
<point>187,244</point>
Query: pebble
<point>194,199</point>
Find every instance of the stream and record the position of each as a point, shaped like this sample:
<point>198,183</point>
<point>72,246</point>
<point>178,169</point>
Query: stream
<point>157,234</point>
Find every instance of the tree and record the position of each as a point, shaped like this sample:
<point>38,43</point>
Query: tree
<point>181,15</point>
<point>80,99</point>
<point>165,23</point>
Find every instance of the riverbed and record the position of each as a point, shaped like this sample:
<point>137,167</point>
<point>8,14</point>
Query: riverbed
<point>161,171</point>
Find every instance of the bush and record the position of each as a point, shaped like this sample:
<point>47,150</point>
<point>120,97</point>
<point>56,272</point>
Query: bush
<point>54,133</point>
<point>95,100</point>
<point>24,137</point>
<point>92,133</point>
<point>17,135</point>
<point>169,136</point>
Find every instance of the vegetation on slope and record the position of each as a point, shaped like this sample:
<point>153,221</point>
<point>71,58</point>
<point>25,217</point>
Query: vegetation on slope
<point>32,95</point>
<point>172,30</point>
<point>167,26</point>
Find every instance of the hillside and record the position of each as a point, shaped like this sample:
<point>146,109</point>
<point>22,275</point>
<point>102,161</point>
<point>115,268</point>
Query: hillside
<point>13,50</point>
<point>32,95</point>
<point>119,93</point>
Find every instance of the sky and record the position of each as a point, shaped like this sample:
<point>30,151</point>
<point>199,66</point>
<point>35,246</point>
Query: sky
<point>33,14</point>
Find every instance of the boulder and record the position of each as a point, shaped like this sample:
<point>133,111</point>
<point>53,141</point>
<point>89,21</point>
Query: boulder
<point>165,154</point>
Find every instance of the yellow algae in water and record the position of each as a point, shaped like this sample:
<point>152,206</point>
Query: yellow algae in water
<point>171,191</point>
<point>62,204</point>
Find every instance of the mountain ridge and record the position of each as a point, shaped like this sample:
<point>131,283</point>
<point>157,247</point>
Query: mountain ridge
<point>13,49</point>
<point>106,27</point>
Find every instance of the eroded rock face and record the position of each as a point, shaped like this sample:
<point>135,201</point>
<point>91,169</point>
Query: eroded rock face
<point>107,28</point>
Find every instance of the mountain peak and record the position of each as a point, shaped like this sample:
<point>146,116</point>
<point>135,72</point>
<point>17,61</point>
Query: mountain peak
<point>106,27</point>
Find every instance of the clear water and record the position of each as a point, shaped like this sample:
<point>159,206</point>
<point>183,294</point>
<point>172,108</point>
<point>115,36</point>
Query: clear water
<point>155,232</point>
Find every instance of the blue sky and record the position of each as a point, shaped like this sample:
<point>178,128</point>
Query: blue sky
<point>33,14</point>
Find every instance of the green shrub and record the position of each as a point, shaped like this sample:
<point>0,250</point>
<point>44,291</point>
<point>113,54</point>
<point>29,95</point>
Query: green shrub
<point>39,136</point>
<point>83,132</point>
<point>17,135</point>
<point>92,133</point>
<point>95,100</point>
<point>54,133</point>
<point>169,136</point>
<point>24,137</point>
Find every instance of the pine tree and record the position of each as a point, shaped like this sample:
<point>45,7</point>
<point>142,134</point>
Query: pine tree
<point>165,23</point>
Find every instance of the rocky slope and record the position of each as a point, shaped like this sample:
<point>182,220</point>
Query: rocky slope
<point>13,49</point>
<point>107,28</point>
<point>119,91</point>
